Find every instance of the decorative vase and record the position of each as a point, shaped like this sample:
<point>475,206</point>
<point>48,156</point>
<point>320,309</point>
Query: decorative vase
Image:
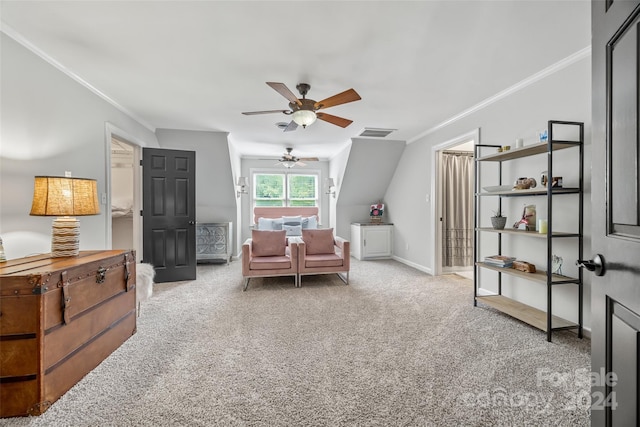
<point>498,222</point>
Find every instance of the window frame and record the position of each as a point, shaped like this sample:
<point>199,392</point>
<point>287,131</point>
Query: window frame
<point>287,174</point>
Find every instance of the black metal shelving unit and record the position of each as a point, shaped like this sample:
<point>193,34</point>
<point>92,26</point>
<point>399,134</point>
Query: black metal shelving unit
<point>542,319</point>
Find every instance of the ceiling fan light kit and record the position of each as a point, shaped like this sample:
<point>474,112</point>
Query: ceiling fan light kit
<point>303,111</point>
<point>304,118</point>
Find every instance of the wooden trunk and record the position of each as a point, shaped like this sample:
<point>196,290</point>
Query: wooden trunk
<point>59,318</point>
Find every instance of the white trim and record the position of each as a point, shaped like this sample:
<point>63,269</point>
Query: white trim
<point>412,264</point>
<point>33,48</point>
<point>436,255</point>
<point>563,63</point>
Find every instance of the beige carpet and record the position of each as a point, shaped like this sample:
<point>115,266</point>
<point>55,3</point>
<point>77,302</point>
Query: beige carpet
<point>394,348</point>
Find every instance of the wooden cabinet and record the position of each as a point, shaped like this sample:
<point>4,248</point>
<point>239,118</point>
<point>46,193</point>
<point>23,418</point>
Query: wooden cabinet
<point>60,318</point>
<point>371,241</point>
<point>545,278</point>
<point>214,241</point>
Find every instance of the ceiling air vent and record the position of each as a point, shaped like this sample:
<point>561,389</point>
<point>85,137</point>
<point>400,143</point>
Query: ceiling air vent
<point>376,132</point>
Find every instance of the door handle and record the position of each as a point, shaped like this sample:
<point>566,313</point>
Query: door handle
<point>192,223</point>
<point>596,264</point>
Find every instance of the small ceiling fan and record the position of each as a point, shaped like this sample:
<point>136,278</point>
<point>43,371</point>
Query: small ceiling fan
<point>304,111</point>
<point>288,160</point>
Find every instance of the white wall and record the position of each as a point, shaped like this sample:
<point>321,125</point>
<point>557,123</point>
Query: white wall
<point>564,95</point>
<point>50,124</point>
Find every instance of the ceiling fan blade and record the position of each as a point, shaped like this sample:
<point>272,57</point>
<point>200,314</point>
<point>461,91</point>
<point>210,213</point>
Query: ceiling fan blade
<point>283,90</point>
<point>251,113</point>
<point>299,163</point>
<point>335,120</point>
<point>348,95</point>
<point>291,126</point>
<point>309,159</point>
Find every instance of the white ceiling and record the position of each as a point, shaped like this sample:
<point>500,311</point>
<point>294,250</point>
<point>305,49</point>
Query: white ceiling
<point>198,64</point>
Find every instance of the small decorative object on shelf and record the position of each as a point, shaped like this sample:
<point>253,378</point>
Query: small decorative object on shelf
<point>556,265</point>
<point>543,226</point>
<point>498,221</point>
<point>544,136</point>
<point>524,183</point>
<point>376,212</point>
<point>525,266</point>
<point>544,178</point>
<point>528,220</point>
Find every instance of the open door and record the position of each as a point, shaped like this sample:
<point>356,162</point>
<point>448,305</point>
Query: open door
<point>615,197</point>
<point>169,213</point>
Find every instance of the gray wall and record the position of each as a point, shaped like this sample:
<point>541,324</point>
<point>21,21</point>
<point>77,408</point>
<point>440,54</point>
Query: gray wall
<point>367,173</point>
<point>215,193</point>
<point>50,124</point>
<point>564,95</point>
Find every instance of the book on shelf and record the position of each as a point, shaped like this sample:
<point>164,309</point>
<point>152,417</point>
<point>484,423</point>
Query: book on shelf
<point>499,260</point>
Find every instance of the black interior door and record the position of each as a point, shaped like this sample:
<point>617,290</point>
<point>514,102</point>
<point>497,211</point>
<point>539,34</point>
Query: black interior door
<point>615,303</point>
<point>169,213</point>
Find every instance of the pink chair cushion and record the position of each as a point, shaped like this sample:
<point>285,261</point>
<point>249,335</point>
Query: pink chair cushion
<point>323,260</point>
<point>318,241</point>
<point>268,243</point>
<point>270,263</point>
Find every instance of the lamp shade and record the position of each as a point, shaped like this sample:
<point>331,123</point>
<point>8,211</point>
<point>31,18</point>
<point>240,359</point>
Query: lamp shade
<point>243,181</point>
<point>62,196</point>
<point>304,117</point>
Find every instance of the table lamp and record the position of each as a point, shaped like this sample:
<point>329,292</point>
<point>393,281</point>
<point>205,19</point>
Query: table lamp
<point>64,197</point>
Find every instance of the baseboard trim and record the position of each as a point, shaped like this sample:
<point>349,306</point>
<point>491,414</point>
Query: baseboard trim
<point>412,264</point>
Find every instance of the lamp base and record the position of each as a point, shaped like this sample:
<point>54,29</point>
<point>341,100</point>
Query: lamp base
<point>65,237</point>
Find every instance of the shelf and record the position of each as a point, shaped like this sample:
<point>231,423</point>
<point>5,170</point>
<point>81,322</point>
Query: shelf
<point>573,137</point>
<point>529,150</point>
<point>528,233</point>
<point>532,316</point>
<point>539,276</point>
<point>530,192</point>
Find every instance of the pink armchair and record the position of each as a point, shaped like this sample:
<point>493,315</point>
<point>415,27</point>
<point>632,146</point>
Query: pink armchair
<point>268,254</point>
<point>320,252</point>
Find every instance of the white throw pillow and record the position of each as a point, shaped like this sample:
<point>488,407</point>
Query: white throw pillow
<point>310,223</point>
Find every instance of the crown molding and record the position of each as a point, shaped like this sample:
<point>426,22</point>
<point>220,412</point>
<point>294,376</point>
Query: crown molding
<point>6,29</point>
<point>554,68</point>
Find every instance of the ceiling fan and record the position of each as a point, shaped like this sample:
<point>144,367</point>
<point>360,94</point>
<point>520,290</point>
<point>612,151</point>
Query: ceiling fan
<point>288,160</point>
<point>304,111</point>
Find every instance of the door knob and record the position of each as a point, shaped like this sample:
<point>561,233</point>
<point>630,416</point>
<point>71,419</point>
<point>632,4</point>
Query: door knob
<point>596,264</point>
<point>192,223</point>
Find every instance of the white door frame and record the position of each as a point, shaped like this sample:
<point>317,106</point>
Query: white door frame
<point>436,194</point>
<point>112,131</point>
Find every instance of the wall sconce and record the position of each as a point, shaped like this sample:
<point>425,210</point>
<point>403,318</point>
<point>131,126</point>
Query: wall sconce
<point>65,198</point>
<point>243,186</point>
<point>331,187</point>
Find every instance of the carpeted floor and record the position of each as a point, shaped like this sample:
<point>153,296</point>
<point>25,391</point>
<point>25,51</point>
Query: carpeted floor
<point>396,347</point>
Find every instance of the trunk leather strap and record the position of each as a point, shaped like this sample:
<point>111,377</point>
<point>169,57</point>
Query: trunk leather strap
<point>66,298</point>
<point>126,272</point>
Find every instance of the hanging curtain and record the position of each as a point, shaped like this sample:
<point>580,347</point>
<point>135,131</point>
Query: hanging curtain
<point>457,209</point>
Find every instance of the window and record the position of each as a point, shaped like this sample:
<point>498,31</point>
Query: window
<point>285,189</point>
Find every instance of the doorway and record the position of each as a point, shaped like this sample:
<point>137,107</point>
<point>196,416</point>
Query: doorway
<point>452,187</point>
<point>122,167</point>
<point>124,226</point>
